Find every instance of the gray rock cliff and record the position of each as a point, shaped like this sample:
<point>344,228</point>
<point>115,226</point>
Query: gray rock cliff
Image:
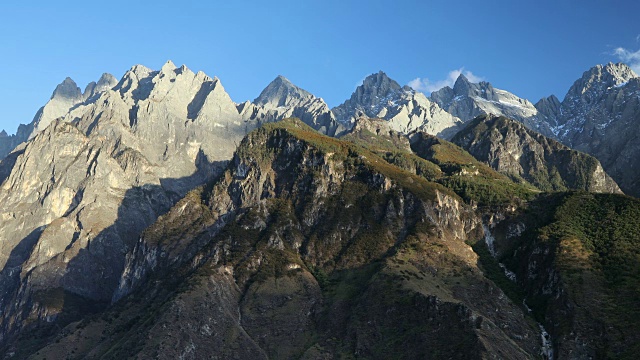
<point>510,148</point>
<point>76,196</point>
<point>66,96</point>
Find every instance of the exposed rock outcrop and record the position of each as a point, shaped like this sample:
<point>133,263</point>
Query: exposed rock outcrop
<point>65,97</point>
<point>142,221</point>
<point>549,107</point>
<point>510,148</point>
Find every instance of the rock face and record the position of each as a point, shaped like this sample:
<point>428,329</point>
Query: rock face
<point>281,99</point>
<point>549,107</point>
<point>66,96</point>
<point>510,148</point>
<point>377,134</point>
<point>405,109</point>
<point>106,82</point>
<point>249,268</point>
<point>9,142</point>
<point>75,198</point>
<point>600,115</point>
<point>313,247</point>
<point>467,100</point>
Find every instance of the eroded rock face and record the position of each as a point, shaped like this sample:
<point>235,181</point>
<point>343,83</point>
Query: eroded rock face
<point>66,96</point>
<point>509,147</point>
<point>549,107</point>
<point>9,142</point>
<point>75,198</point>
<point>305,247</point>
<point>405,109</point>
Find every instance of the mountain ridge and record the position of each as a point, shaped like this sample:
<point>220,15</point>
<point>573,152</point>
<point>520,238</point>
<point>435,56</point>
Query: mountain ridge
<point>511,148</point>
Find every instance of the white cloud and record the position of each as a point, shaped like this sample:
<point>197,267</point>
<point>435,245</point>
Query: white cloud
<point>631,58</point>
<point>427,86</point>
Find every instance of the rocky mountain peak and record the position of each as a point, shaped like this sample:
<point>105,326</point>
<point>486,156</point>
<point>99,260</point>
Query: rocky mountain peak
<point>464,87</point>
<point>595,81</point>
<point>279,92</point>
<point>169,66</point>
<point>68,89</point>
<point>621,72</point>
<point>281,99</point>
<point>380,83</point>
<point>510,148</point>
<point>599,116</point>
<point>467,100</point>
<point>461,85</point>
<point>3,133</point>
<point>552,99</point>
<point>405,109</point>
<point>375,92</point>
<point>549,107</point>
<point>137,72</point>
<point>107,80</point>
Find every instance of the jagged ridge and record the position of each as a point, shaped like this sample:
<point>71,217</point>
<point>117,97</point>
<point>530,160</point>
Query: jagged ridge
<point>405,109</point>
<point>509,147</point>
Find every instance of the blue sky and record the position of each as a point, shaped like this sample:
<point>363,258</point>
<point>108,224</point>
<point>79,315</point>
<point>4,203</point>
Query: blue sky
<point>531,48</point>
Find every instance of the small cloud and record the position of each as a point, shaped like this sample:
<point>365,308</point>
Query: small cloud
<point>631,58</point>
<point>427,86</point>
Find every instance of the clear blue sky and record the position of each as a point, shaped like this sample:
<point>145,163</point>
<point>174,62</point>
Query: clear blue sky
<point>531,48</point>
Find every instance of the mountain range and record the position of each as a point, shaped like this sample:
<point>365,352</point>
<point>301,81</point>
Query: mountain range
<point>604,100</point>
<point>153,217</point>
